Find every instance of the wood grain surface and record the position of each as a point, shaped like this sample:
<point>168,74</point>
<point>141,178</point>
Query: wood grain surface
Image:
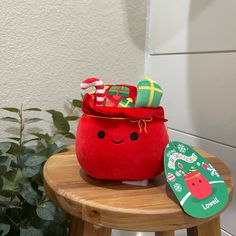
<point>210,228</point>
<point>116,205</point>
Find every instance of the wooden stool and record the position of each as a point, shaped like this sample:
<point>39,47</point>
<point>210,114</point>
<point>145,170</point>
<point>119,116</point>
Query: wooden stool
<point>97,207</point>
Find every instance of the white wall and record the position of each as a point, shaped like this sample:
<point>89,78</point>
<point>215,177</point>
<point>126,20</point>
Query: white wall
<point>48,47</point>
<point>192,54</point>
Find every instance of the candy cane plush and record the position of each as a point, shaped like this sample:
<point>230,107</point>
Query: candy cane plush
<point>99,86</point>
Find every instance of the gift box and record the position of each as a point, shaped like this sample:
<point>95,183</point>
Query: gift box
<point>119,90</point>
<point>149,93</point>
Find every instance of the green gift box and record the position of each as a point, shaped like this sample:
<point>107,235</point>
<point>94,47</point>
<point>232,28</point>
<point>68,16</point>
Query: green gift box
<point>122,91</point>
<point>149,93</point>
<point>126,102</point>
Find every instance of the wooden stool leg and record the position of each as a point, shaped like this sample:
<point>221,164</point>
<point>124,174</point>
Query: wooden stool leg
<point>165,233</point>
<point>94,230</point>
<point>80,228</point>
<point>76,227</point>
<point>210,228</point>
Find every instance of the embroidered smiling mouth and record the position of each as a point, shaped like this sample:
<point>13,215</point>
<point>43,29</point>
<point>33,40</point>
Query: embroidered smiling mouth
<point>117,142</point>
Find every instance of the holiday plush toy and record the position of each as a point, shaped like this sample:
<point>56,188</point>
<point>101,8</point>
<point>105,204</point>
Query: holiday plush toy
<point>121,134</point>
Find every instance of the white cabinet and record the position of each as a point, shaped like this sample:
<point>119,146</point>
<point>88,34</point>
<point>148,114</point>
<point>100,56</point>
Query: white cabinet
<point>199,93</point>
<point>192,26</point>
<point>192,55</point>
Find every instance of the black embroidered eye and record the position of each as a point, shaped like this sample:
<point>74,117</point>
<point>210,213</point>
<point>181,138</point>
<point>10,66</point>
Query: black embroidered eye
<point>134,136</point>
<point>193,184</point>
<point>101,134</point>
<point>199,181</point>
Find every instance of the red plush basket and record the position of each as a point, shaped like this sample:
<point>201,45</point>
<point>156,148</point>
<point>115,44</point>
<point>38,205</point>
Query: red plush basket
<point>116,143</point>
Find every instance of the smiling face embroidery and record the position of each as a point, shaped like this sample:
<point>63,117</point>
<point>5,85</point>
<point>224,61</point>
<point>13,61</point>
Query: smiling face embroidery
<point>133,136</point>
<point>118,149</point>
<point>117,142</point>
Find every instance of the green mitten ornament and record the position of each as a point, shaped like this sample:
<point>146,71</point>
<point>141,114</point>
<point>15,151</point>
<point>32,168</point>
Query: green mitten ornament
<point>149,93</point>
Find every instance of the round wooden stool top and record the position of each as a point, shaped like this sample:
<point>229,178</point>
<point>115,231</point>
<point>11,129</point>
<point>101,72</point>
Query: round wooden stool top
<point>116,205</point>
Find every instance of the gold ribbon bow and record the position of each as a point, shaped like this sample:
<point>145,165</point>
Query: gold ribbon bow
<point>142,124</point>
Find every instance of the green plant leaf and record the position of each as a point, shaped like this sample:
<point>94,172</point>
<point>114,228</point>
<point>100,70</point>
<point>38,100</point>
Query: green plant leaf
<point>10,181</point>
<point>3,169</point>
<point>55,149</point>
<point>33,109</point>
<point>59,121</point>
<point>42,148</point>
<point>13,164</point>
<point>39,223</point>
<point>35,160</point>
<point>77,103</point>
<point>69,135</point>
<point>4,229</point>
<point>60,215</point>
<point>58,138</point>
<point>4,159</point>
<point>5,147</point>
<point>14,138</point>
<point>14,176</point>
<point>15,149</point>
<point>46,211</point>
<point>30,140</point>
<point>28,210</point>
<point>11,119</point>
<point>5,162</point>
<point>52,149</point>
<point>11,109</point>
<point>22,158</point>
<point>15,214</point>
<point>61,148</point>
<point>31,171</point>
<point>71,118</point>
<point>30,231</point>
<point>41,188</point>
<point>42,136</point>
<point>56,229</point>
<point>32,120</point>
<point>29,194</point>
<point>2,198</point>
<point>8,202</point>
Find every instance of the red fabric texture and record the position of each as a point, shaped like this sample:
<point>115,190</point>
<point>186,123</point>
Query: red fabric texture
<point>121,143</point>
<point>88,107</point>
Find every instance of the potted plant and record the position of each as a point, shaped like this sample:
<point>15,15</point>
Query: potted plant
<point>24,206</point>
